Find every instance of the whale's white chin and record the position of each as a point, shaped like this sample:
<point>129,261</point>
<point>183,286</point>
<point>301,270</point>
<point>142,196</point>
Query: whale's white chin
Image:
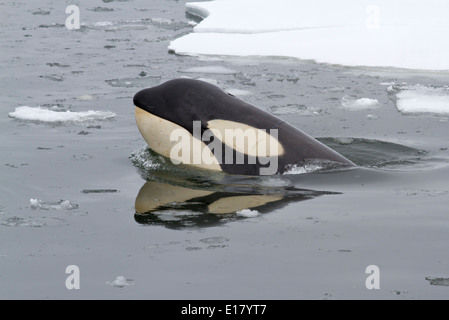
<point>157,132</point>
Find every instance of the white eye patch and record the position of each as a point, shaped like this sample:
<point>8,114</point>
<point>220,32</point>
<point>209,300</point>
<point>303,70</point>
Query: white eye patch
<point>247,139</point>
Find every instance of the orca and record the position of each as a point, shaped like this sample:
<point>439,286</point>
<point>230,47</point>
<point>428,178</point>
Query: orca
<point>223,133</point>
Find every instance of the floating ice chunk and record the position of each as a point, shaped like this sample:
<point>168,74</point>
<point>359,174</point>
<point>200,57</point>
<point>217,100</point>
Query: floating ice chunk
<point>247,213</point>
<point>34,203</point>
<point>47,115</point>
<point>120,282</point>
<point>67,205</point>
<point>359,104</point>
<point>210,70</point>
<point>422,99</point>
<point>401,33</point>
<point>61,204</point>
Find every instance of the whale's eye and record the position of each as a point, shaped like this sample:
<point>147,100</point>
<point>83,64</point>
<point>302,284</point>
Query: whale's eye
<point>230,94</point>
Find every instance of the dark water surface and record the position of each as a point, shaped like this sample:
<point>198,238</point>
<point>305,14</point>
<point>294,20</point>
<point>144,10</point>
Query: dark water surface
<point>69,190</point>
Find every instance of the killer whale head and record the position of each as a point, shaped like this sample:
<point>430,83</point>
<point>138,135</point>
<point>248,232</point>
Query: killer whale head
<point>202,115</point>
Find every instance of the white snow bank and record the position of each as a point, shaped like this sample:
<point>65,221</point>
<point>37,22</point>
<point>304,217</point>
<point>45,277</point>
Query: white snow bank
<point>379,33</point>
<point>47,115</point>
<point>422,99</point>
<point>359,104</point>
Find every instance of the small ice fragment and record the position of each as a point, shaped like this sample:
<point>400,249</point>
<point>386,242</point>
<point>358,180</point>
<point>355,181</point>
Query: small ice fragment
<point>66,204</point>
<point>34,203</point>
<point>390,89</point>
<point>120,282</point>
<point>359,104</point>
<point>247,213</point>
<point>61,204</point>
<point>48,115</point>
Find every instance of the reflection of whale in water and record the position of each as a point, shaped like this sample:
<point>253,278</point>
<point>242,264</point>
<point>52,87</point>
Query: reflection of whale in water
<point>183,205</point>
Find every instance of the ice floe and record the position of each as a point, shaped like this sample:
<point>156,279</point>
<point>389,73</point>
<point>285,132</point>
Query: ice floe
<point>377,33</point>
<point>60,205</point>
<point>421,99</point>
<point>42,114</point>
<point>359,104</point>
